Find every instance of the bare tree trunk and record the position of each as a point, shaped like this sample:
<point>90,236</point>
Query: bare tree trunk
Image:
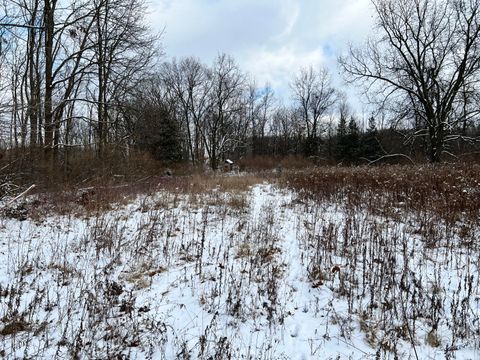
<point>33,78</point>
<point>49,20</point>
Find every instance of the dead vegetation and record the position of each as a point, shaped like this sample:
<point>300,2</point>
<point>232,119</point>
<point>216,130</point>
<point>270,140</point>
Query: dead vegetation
<point>406,242</point>
<point>100,198</point>
<point>448,193</point>
<point>190,266</point>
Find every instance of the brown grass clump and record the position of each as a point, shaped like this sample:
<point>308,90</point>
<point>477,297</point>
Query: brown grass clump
<point>93,197</point>
<point>433,339</point>
<point>448,192</point>
<point>14,327</point>
<point>263,163</point>
<point>204,183</point>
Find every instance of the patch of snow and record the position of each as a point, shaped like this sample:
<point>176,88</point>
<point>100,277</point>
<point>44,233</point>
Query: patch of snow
<point>156,279</point>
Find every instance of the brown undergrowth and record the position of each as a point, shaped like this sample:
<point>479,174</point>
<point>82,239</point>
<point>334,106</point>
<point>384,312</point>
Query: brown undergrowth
<point>449,192</point>
<point>84,199</point>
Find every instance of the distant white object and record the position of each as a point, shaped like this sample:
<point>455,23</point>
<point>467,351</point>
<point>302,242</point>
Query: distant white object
<point>229,162</point>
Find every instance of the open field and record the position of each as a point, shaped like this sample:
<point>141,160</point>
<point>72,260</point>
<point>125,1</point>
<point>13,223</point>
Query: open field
<point>328,263</point>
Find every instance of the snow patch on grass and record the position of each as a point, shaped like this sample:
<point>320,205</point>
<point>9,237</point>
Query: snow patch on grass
<point>258,274</point>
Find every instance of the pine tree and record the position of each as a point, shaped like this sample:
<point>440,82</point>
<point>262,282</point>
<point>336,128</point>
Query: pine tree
<point>371,148</point>
<point>348,141</point>
<point>353,141</point>
<point>158,132</point>
<point>342,139</point>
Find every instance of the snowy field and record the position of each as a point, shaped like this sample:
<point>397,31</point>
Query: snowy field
<point>261,274</point>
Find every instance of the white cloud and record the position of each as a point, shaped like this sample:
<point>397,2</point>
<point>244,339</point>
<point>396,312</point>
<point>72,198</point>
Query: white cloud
<point>206,27</point>
<point>276,66</point>
<point>291,12</point>
<point>270,39</point>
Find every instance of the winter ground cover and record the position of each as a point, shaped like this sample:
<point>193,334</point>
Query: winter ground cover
<point>267,272</point>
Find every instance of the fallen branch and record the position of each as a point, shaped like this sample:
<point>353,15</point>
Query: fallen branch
<point>371,162</point>
<point>22,194</point>
<point>9,164</point>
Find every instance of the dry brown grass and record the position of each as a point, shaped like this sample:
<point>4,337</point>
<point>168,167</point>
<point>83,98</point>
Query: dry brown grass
<point>99,196</point>
<point>204,183</point>
<point>265,163</point>
<point>13,328</point>
<point>448,192</point>
<point>393,227</point>
<point>76,168</point>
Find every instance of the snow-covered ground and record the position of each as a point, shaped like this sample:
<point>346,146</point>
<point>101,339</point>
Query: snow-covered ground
<point>257,275</point>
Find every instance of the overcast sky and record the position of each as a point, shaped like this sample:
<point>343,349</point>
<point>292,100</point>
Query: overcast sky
<point>270,39</point>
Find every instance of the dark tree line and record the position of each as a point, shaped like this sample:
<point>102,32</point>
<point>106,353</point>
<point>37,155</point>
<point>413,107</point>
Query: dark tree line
<point>89,75</point>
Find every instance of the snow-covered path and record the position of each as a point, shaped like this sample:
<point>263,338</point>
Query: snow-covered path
<point>218,276</point>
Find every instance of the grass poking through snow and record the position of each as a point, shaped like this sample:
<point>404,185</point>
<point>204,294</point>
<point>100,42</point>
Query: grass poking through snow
<point>360,263</point>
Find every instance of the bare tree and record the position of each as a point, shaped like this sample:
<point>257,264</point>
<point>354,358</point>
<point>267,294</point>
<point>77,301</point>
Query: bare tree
<point>266,104</point>
<point>33,81</point>
<point>188,85</point>
<point>72,60</point>
<point>426,52</point>
<point>50,62</point>
<point>251,110</point>
<point>314,96</point>
<point>287,129</point>
<point>18,58</point>
<point>222,122</point>
<point>123,50</point>
<point>259,103</point>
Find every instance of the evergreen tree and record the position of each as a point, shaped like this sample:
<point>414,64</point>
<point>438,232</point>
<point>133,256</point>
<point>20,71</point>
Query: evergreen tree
<point>348,141</point>
<point>158,132</point>
<point>353,141</point>
<point>371,148</point>
<point>342,139</point>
